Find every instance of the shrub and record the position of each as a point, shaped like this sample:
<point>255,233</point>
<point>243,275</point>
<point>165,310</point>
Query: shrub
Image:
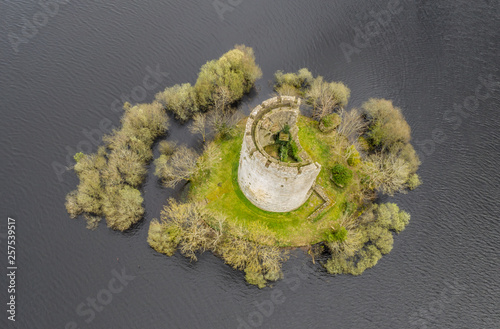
<point>341,175</point>
<point>389,172</point>
<point>180,100</point>
<point>167,147</point>
<point>387,125</point>
<point>287,90</point>
<point>326,96</point>
<point>235,70</point>
<point>92,221</point>
<point>390,217</point>
<point>184,226</point>
<point>351,125</point>
<point>329,122</point>
<point>413,182</point>
<point>407,153</point>
<point>255,277</point>
<point>199,125</point>
<point>364,259</point>
<point>162,239</point>
<point>78,156</point>
<point>145,122</point>
<point>283,152</point>
<point>300,80</point>
<point>353,158</point>
<point>381,237</point>
<point>72,206</point>
<point>368,257</point>
<point>131,167</point>
<point>336,235</point>
<point>336,265</point>
<point>295,151</point>
<point>179,166</point>
<point>122,206</point>
<point>108,179</point>
<point>292,84</point>
<point>289,79</point>
<point>223,123</point>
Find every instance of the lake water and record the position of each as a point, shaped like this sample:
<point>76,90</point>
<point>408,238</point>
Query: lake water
<point>438,60</point>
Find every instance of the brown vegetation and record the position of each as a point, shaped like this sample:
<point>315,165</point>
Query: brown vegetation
<point>192,229</point>
<point>369,237</point>
<point>220,82</point>
<point>110,178</point>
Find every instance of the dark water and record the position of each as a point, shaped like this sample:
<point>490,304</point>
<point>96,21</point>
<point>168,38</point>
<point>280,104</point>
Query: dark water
<point>429,57</point>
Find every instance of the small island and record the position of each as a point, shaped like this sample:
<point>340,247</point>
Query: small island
<point>299,172</point>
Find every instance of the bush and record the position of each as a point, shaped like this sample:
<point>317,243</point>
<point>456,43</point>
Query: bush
<point>235,70</point>
<point>72,206</point>
<point>407,153</point>
<point>413,182</point>
<point>78,156</point>
<point>381,237</point>
<point>326,96</point>
<point>364,259</point>
<point>109,178</point>
<point>387,125</point>
<point>298,81</point>
<point>131,167</point>
<point>284,152</point>
<point>336,235</point>
<point>223,123</point>
<point>145,122</point>
<point>122,206</point>
<point>390,217</point>
<point>368,257</point>
<point>295,151</point>
<point>329,122</point>
<point>341,175</point>
<point>354,158</point>
<point>389,172</point>
<point>181,165</point>
<point>184,226</point>
<point>162,239</point>
<point>287,90</point>
<point>180,100</point>
<point>167,147</point>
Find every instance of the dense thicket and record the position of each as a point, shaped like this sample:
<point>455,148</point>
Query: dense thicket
<point>386,124</point>
<point>192,229</point>
<point>367,238</point>
<point>393,159</point>
<point>232,75</point>
<point>110,178</point>
<point>184,164</point>
<point>324,96</point>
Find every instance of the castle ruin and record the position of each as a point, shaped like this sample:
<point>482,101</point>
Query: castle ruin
<point>269,183</point>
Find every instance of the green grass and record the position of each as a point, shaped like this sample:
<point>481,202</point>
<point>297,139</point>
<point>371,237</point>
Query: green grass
<point>292,229</point>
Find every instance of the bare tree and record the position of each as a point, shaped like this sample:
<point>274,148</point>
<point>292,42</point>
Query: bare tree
<point>222,98</point>
<point>389,172</point>
<point>326,96</point>
<point>178,167</point>
<point>351,125</point>
<point>223,123</point>
<point>210,157</point>
<point>199,125</point>
<point>287,90</point>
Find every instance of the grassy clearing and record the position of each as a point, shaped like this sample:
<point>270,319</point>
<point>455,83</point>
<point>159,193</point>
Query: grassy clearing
<point>292,229</point>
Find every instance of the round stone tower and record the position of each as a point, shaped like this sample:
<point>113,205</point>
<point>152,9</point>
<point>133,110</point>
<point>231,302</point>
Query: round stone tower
<point>267,182</point>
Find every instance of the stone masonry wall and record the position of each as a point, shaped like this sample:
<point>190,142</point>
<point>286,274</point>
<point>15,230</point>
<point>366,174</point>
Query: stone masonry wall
<point>268,183</point>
